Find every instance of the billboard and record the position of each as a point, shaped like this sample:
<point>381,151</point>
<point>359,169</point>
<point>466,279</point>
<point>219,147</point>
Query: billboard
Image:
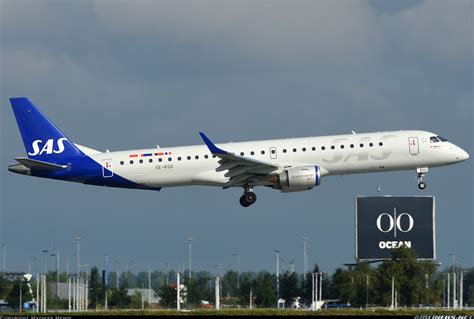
<point>383,223</point>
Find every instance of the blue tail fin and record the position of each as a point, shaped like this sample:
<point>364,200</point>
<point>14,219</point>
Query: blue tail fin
<point>43,141</point>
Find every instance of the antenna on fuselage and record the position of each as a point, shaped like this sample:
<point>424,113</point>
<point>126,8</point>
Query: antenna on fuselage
<point>353,132</point>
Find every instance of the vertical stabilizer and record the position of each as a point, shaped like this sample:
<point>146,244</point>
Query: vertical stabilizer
<point>42,139</point>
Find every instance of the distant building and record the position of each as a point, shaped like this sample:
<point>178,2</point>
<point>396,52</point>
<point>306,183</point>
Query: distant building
<point>12,276</point>
<point>63,289</point>
<point>154,299</point>
<point>64,292</point>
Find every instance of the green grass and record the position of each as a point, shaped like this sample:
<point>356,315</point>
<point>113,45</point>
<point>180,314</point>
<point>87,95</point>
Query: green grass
<point>267,312</point>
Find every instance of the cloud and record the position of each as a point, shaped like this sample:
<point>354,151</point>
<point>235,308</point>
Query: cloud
<point>435,29</point>
<point>123,74</point>
<point>269,30</point>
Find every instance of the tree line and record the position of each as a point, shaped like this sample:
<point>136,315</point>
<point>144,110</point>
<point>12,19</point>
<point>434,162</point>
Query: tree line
<point>417,283</point>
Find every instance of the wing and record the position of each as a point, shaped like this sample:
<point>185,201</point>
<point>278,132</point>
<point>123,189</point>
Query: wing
<point>240,170</point>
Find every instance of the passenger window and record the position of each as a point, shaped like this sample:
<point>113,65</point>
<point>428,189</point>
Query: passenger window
<point>313,148</point>
<point>262,152</point>
<point>206,156</point>
<point>121,163</point>
<point>141,161</point>
<point>131,162</point>
<point>213,155</point>
<point>284,150</point>
<point>189,157</point>
<point>294,150</point>
<point>252,153</point>
<point>380,144</point>
<point>241,153</point>
<point>169,159</point>
<point>273,151</point>
<point>160,160</point>
<point>150,160</point>
<point>179,158</point>
<point>342,146</point>
<point>304,149</point>
<point>196,157</point>
<point>323,148</point>
<point>371,144</point>
<point>333,147</point>
<point>352,145</point>
<point>361,145</point>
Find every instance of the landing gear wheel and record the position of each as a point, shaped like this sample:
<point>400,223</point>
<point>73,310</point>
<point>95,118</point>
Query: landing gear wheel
<point>243,202</point>
<point>248,198</point>
<point>420,174</point>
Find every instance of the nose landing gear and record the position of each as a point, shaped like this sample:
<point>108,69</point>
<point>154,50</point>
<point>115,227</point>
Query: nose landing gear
<point>249,197</point>
<point>420,173</point>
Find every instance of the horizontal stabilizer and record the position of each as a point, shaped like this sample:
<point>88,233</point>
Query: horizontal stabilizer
<point>39,165</point>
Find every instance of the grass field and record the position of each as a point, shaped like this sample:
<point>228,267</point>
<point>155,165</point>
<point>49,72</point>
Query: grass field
<point>266,312</point>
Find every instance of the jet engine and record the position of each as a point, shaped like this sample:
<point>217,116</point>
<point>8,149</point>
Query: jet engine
<point>298,179</point>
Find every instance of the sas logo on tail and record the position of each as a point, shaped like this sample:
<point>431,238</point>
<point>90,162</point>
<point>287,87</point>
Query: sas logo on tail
<point>48,147</point>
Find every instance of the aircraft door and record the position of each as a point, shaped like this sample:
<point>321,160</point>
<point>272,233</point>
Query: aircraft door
<point>413,146</point>
<point>107,168</point>
<point>273,152</point>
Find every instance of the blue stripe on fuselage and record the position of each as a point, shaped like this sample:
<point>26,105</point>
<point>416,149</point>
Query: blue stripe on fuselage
<point>83,169</point>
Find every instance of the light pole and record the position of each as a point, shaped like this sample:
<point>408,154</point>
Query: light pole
<point>4,256</point>
<point>77,240</point>
<point>29,263</point>
<point>367,291</point>
<point>178,263</point>
<point>220,269</point>
<point>277,252</point>
<point>117,273</point>
<point>149,286</point>
<point>220,281</point>
<point>190,244</point>
<point>454,279</point>
<point>238,269</point>
<point>45,251</point>
<point>86,288</point>
<point>292,266</point>
<point>167,274</point>
<point>57,271</point>
<point>87,270</point>
<point>305,256</point>
<point>126,272</point>
<point>78,248</point>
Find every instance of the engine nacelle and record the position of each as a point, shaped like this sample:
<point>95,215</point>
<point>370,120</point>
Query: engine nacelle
<point>298,179</point>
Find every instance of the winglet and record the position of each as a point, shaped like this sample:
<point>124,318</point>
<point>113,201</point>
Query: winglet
<point>212,147</point>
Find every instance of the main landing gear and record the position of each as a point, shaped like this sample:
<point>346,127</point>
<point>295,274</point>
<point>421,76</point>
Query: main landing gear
<point>249,197</point>
<point>420,173</point>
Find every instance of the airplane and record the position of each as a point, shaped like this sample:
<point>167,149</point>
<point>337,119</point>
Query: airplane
<point>288,165</point>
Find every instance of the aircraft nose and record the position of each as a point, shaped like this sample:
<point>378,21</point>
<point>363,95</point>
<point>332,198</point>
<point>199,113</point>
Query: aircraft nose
<point>462,155</point>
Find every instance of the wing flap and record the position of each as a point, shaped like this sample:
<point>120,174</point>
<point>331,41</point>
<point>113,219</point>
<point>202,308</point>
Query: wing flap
<point>240,170</point>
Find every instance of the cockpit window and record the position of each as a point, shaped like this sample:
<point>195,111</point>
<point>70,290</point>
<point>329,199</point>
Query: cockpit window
<point>443,139</point>
<point>434,139</point>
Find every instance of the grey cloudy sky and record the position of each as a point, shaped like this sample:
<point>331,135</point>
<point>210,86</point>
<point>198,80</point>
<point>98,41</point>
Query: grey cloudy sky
<point>129,74</point>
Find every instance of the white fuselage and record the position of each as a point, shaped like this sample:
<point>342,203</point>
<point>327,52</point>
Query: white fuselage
<point>335,155</point>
